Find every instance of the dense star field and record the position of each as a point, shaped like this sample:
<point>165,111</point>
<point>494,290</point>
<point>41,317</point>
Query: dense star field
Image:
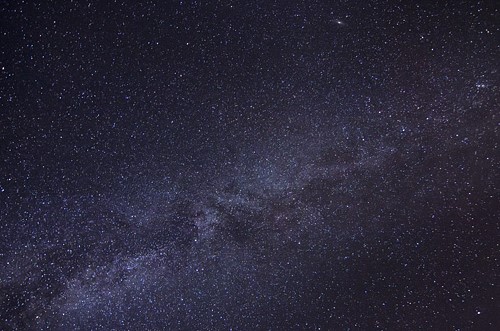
<point>249,165</point>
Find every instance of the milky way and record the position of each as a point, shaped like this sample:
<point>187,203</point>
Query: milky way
<point>253,165</point>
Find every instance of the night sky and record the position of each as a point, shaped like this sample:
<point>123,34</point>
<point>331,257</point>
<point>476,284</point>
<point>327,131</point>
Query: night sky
<point>249,165</point>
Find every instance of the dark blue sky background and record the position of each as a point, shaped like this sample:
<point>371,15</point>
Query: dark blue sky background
<point>249,165</point>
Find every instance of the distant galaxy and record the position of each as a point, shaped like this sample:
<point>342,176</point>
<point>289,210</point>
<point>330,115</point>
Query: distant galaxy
<point>249,165</point>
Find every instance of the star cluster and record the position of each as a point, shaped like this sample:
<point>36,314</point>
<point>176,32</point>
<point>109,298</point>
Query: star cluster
<point>249,165</point>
